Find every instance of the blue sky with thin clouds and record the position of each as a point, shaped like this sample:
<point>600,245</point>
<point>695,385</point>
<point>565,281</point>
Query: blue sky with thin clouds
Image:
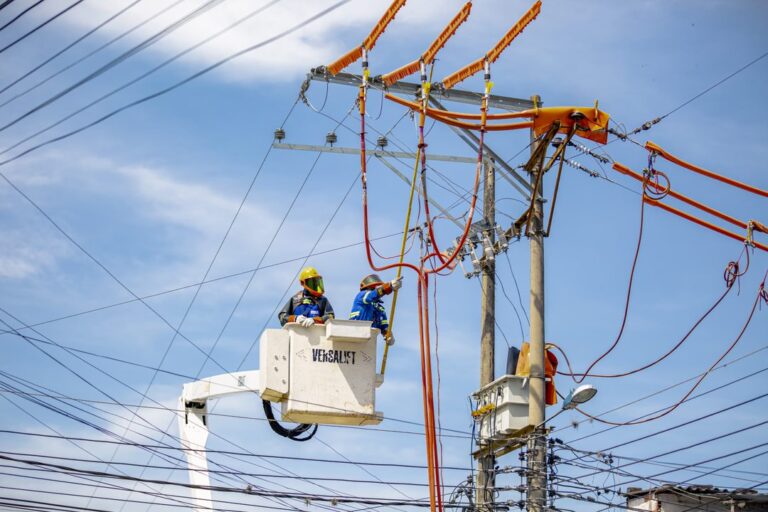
<point>151,191</point>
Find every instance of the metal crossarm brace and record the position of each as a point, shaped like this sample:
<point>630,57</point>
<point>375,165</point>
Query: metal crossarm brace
<point>412,89</point>
<point>473,141</point>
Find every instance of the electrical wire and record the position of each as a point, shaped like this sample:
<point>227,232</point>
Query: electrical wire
<point>760,297</point>
<point>142,76</point>
<point>161,92</point>
<point>114,62</point>
<point>663,390</point>
<point>192,285</point>
<point>91,53</point>
<point>38,27</point>
<point>22,13</point>
<point>70,45</point>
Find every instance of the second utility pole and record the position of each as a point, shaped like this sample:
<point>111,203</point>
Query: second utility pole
<point>486,461</point>
<point>537,446</point>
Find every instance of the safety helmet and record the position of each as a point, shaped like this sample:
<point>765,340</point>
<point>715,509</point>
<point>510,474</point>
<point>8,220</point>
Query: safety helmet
<point>370,281</point>
<point>312,281</point>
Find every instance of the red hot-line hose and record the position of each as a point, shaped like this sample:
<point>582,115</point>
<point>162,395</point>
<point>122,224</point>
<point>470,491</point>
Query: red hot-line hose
<point>761,295</point>
<point>430,433</point>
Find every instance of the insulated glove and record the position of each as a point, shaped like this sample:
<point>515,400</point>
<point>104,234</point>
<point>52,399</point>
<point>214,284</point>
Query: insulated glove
<point>396,283</point>
<point>390,340</point>
<point>304,321</point>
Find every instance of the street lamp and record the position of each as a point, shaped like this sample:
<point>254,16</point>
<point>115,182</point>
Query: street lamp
<point>578,396</point>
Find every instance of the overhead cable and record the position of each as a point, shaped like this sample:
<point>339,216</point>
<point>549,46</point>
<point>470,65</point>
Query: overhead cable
<point>142,76</point>
<point>178,84</point>
<point>38,27</point>
<point>90,53</point>
<point>70,45</point>
<point>117,60</point>
<point>22,13</point>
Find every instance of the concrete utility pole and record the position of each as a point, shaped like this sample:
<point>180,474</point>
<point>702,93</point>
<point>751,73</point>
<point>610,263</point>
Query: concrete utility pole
<point>537,453</point>
<point>486,461</point>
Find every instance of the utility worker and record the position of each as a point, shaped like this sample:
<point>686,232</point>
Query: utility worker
<point>309,306</point>
<point>369,306</point>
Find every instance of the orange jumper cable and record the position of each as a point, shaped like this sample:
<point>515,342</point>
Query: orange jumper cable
<point>749,226</point>
<point>650,146</point>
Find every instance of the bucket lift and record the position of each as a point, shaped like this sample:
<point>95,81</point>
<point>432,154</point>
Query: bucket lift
<point>323,374</point>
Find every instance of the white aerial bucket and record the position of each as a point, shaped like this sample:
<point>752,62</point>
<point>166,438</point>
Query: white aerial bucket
<point>323,374</point>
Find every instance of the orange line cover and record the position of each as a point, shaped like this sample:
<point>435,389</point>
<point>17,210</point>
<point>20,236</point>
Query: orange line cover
<point>369,41</point>
<point>495,52</point>
<point>650,146</point>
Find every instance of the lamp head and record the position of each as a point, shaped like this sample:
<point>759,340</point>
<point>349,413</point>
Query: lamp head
<point>578,396</point>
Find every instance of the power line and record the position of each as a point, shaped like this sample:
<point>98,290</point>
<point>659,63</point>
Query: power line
<point>228,452</point>
<point>213,472</point>
<point>117,60</point>
<point>170,88</point>
<point>192,285</point>
<point>38,27</point>
<point>91,53</point>
<point>656,393</point>
<point>22,13</point>
<point>58,468</point>
<point>142,76</point>
<point>70,45</point>
<point>134,444</point>
<point>704,393</point>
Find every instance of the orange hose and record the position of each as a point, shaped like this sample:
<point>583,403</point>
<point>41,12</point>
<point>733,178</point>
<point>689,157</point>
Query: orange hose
<point>650,146</point>
<point>629,172</point>
<point>703,223</point>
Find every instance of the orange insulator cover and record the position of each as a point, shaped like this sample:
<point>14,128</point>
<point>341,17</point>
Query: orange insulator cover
<point>369,41</point>
<point>592,126</point>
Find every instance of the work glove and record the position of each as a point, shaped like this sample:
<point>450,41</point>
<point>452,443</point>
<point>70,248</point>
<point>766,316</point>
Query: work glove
<point>304,321</point>
<point>390,339</point>
<point>396,283</point>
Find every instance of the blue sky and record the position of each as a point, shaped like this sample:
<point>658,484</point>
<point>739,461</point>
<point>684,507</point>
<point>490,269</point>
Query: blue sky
<point>150,194</point>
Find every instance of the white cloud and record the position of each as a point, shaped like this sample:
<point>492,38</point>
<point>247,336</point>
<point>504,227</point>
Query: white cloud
<point>291,56</point>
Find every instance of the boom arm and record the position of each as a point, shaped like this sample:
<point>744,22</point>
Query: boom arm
<point>193,425</point>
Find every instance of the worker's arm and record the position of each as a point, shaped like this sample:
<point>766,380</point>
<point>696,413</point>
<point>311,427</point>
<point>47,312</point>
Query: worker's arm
<point>286,314</point>
<point>387,288</point>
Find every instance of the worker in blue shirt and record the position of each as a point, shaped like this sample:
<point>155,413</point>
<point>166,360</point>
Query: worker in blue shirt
<point>309,306</point>
<point>369,306</point>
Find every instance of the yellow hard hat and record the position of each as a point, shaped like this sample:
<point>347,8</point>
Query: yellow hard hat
<point>308,272</point>
<point>312,281</point>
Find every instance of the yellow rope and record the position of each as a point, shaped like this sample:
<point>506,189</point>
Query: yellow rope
<point>402,257</point>
<point>405,235</point>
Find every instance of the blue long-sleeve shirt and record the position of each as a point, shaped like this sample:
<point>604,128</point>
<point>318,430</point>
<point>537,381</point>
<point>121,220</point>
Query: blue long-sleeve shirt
<point>369,306</point>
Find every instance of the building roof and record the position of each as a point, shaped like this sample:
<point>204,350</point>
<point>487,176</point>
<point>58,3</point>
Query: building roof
<point>748,495</point>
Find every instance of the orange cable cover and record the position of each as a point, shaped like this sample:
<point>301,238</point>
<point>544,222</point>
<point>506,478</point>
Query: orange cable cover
<point>429,55</point>
<point>515,31</point>
<point>650,146</point>
<point>591,127</point>
<point>495,52</point>
<point>629,172</point>
<point>702,223</point>
<point>369,42</point>
<point>385,20</point>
